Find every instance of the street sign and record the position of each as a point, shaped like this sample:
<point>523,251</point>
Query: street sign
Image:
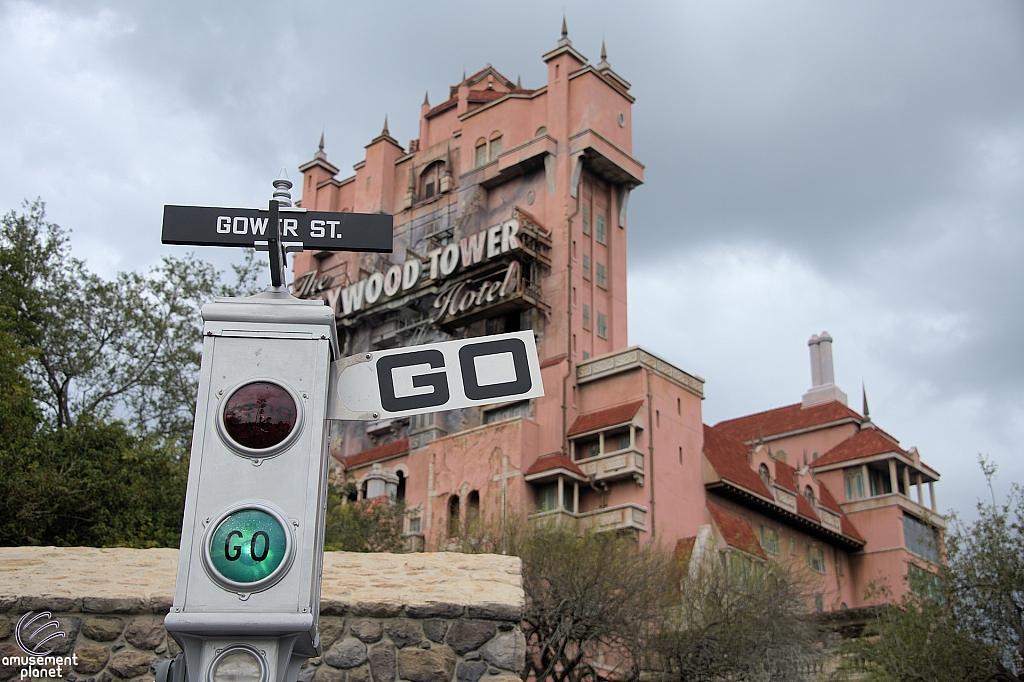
<point>314,230</point>
<point>436,376</point>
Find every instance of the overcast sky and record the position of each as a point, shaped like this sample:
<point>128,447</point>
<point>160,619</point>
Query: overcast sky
<point>853,167</point>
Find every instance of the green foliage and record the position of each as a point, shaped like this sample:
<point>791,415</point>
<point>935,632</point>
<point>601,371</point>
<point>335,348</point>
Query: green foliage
<point>734,618</point>
<point>586,595</point>
<point>366,526</point>
<point>91,484</point>
<point>79,358</point>
<point>127,348</point>
<point>967,623</point>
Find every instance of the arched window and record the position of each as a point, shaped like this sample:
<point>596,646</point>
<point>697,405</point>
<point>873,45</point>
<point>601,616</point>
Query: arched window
<point>480,153</point>
<point>854,485</point>
<point>430,180</point>
<point>400,492</point>
<point>495,148</point>
<point>453,516</point>
<point>765,475</point>
<point>541,131</point>
<point>473,509</point>
<point>809,494</point>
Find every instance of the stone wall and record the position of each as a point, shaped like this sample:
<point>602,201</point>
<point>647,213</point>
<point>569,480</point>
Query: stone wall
<point>439,617</point>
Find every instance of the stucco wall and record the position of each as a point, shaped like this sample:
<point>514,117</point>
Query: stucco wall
<point>384,617</point>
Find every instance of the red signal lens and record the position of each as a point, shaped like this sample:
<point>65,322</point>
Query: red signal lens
<point>259,415</point>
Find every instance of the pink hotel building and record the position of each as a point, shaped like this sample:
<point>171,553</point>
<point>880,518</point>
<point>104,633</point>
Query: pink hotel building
<point>509,214</point>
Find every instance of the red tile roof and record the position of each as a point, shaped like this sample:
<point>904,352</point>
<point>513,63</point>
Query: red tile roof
<point>864,443</point>
<point>828,502</point>
<point>728,456</point>
<point>684,550</point>
<point>785,419</point>
<point>553,460</point>
<point>610,416</point>
<point>785,476</point>
<point>550,362</point>
<point>804,508</point>
<point>484,95</point>
<point>398,447</point>
<point>735,530</point>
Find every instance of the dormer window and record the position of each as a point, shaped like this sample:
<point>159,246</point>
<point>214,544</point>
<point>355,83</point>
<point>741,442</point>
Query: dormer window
<point>809,495</point>
<point>765,475</point>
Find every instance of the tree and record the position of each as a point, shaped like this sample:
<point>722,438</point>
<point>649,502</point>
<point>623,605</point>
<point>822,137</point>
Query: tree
<point>374,525</point>
<point>964,620</point>
<point>735,618</point>
<point>590,597</point>
<point>127,348</point>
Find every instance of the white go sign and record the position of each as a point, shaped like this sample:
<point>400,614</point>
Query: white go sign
<point>436,376</point>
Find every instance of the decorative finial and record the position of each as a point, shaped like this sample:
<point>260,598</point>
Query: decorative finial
<point>519,83</point>
<point>321,146</point>
<point>604,52</point>
<point>565,29</point>
<point>385,131</point>
<point>463,76</point>
<point>426,98</point>
<point>865,410</point>
<point>281,186</point>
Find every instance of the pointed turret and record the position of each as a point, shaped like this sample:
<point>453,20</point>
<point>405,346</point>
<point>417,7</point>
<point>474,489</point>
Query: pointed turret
<point>385,131</point>
<point>519,83</point>
<point>603,64</point>
<point>426,98</point>
<point>565,34</point>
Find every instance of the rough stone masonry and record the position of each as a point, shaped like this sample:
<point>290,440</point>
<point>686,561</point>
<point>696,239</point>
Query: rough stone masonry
<point>440,617</point>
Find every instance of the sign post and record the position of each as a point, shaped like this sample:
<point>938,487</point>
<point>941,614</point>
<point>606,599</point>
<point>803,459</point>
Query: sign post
<point>247,592</point>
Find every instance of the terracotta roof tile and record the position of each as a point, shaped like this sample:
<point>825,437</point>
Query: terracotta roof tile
<point>550,362</point>
<point>785,419</point>
<point>864,443</point>
<point>610,416</point>
<point>398,447</point>
<point>728,456</point>
<point>784,476</point>
<point>484,95</point>
<point>684,549</point>
<point>804,508</point>
<point>735,530</point>
<point>553,460</point>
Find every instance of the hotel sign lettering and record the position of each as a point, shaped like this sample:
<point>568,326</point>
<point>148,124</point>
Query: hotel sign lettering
<point>439,265</point>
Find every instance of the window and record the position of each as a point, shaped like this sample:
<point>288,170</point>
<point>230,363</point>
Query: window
<point>616,441</point>
<point>415,523</point>
<point>586,220</point>
<point>599,229</point>
<point>495,148</point>
<point>921,538</point>
<point>819,603</point>
<point>400,489</point>
<point>480,154</point>
<point>602,276</point>
<point>453,516</point>
<point>520,409</point>
<point>854,485</point>
<point>473,509</point>
<point>792,547</point>
<point>881,484</point>
<point>765,475</point>
<point>816,558</point>
<point>923,583</point>
<point>809,495</point>
<point>586,267</point>
<point>590,448</point>
<point>547,497</point>
<point>770,540</point>
<point>586,355</point>
<point>430,180</point>
<point>602,325</point>
<point>541,131</point>
<point>586,317</point>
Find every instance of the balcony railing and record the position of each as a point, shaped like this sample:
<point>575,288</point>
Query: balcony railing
<point>609,466</point>
<point>619,517</point>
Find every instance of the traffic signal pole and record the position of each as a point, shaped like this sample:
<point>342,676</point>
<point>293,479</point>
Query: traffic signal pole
<point>247,592</point>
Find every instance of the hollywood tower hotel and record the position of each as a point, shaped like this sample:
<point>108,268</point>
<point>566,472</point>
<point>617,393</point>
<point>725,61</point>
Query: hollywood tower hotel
<point>510,214</point>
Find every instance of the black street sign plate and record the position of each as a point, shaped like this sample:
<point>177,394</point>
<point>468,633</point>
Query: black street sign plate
<point>316,230</point>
